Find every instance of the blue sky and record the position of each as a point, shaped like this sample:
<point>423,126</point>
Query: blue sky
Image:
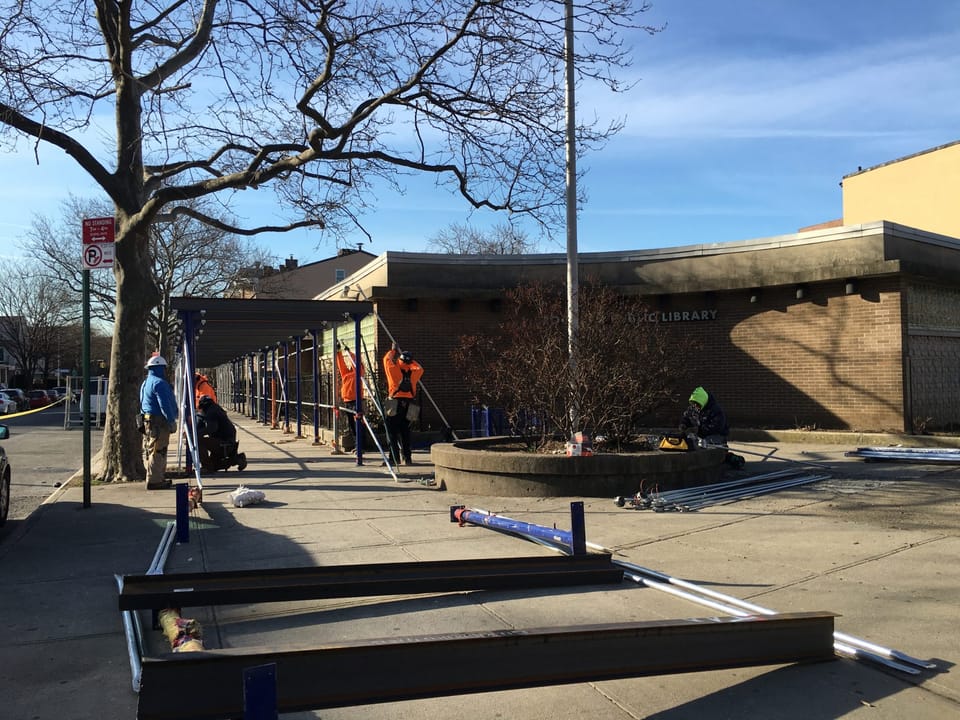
<point>744,119</point>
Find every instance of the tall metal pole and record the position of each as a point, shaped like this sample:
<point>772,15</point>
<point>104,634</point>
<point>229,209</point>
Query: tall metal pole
<point>573,272</point>
<point>85,395</point>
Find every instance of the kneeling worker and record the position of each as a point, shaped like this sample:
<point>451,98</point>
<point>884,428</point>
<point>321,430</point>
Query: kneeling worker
<point>705,418</point>
<point>217,438</point>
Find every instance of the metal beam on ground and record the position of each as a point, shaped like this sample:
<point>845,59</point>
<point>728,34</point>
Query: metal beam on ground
<point>156,592</point>
<point>396,669</point>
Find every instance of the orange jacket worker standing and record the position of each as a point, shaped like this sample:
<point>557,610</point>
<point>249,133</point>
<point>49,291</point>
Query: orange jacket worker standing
<point>403,373</point>
<point>348,376</point>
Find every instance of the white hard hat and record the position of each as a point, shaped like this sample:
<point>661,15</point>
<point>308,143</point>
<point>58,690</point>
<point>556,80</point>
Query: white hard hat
<point>156,360</point>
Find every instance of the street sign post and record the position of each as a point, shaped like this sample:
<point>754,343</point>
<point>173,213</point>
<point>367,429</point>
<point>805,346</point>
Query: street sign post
<point>98,252</point>
<point>98,243</point>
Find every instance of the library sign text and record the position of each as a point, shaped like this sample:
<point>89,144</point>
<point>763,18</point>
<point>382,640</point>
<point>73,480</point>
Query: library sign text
<point>678,315</point>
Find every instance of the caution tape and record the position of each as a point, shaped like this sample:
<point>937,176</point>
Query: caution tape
<point>22,413</point>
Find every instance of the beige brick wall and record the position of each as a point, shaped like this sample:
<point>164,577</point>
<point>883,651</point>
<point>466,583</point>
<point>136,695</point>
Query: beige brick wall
<point>830,360</point>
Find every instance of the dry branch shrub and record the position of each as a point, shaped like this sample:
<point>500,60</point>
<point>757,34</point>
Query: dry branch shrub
<point>626,365</point>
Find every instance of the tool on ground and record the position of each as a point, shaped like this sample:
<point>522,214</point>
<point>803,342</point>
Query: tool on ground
<point>675,442</point>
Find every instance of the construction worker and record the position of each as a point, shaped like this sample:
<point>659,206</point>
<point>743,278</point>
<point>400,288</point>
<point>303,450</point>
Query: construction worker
<point>705,418</point>
<point>201,387</point>
<point>217,438</point>
<point>348,383</point>
<point>403,373</point>
<point>158,413</point>
<point>348,376</point>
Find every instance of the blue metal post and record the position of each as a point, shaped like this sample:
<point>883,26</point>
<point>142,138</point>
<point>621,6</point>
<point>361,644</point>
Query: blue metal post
<point>189,332</point>
<point>552,535</point>
<point>183,513</point>
<point>264,373</point>
<point>316,386</point>
<point>260,692</point>
<point>358,415</point>
<point>578,540</point>
<point>285,385</point>
<point>251,369</point>
<point>299,354</point>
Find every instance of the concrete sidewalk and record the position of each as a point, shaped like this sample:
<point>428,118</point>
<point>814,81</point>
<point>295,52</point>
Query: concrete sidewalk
<point>876,544</point>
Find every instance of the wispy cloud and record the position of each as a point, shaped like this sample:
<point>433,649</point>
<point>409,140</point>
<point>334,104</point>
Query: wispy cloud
<point>877,90</point>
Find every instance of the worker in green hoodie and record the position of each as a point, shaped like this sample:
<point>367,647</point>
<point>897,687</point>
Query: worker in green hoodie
<point>705,418</point>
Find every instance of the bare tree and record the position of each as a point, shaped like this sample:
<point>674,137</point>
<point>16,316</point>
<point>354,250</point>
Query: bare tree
<point>188,258</point>
<point>38,321</point>
<point>504,239</point>
<point>313,102</point>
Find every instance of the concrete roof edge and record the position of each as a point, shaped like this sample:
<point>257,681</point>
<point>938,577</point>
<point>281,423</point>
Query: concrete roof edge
<point>879,229</point>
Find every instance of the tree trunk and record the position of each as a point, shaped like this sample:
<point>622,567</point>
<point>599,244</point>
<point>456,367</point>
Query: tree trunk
<point>122,454</point>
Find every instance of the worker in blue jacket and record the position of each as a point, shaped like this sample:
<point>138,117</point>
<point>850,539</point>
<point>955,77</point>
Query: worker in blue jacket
<point>158,413</point>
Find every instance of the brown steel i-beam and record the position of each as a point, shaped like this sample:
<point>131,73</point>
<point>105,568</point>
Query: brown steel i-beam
<point>156,592</point>
<point>392,669</point>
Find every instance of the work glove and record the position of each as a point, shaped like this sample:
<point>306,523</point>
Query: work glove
<point>172,427</point>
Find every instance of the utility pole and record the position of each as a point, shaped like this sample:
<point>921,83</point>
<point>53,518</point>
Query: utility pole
<point>573,263</point>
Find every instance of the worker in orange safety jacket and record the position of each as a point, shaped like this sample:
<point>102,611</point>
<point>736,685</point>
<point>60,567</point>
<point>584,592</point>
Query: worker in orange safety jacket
<point>348,376</point>
<point>202,386</point>
<point>403,373</point>
<point>347,370</point>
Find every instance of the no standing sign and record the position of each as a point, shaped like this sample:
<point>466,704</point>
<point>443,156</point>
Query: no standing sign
<point>98,238</point>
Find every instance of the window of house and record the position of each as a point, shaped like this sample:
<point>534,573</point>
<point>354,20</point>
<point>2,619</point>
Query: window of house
<point>339,274</point>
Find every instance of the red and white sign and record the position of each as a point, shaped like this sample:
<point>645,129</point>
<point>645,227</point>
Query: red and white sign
<point>98,239</point>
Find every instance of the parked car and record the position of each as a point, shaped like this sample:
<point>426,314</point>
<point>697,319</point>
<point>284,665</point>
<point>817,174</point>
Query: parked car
<point>38,399</point>
<point>4,478</point>
<point>62,393</point>
<point>7,404</point>
<point>23,402</point>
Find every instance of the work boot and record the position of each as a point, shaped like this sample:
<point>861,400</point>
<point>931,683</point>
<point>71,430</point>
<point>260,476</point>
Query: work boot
<point>241,461</point>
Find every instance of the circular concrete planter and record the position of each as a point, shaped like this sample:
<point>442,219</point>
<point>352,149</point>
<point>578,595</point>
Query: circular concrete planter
<point>475,467</point>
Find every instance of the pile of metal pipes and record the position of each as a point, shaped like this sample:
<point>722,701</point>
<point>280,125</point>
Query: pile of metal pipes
<point>915,455</point>
<point>694,498</point>
<point>844,645</point>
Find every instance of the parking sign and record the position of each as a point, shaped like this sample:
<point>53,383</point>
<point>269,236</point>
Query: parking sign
<point>98,239</point>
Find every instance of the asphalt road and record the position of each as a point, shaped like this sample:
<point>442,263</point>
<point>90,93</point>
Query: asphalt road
<point>43,454</point>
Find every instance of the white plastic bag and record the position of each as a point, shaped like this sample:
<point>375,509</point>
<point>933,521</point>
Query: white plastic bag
<point>243,496</point>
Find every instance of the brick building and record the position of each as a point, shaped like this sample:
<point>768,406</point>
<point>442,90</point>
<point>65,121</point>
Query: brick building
<point>850,324</point>
<point>849,327</point>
